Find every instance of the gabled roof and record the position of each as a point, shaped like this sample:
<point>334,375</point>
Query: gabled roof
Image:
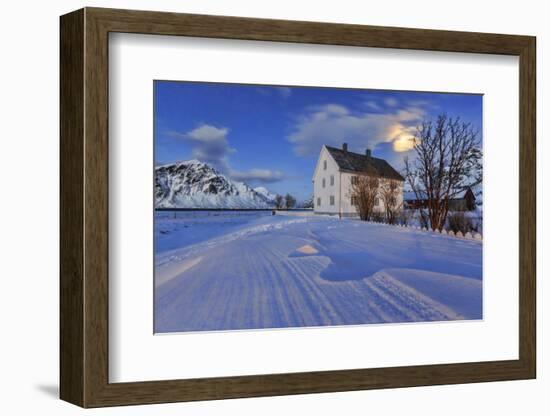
<point>411,196</point>
<point>355,162</point>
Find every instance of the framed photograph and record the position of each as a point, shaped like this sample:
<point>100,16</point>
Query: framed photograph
<point>256,207</point>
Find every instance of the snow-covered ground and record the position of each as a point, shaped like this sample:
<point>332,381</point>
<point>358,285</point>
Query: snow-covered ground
<point>226,270</point>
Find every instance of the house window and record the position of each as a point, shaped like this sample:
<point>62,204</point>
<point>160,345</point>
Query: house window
<point>354,180</point>
<point>324,165</point>
<point>324,182</point>
<point>376,201</point>
<point>332,200</point>
<point>353,200</point>
<point>318,202</point>
<point>331,180</point>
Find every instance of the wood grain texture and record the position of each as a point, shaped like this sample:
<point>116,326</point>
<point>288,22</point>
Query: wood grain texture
<point>96,208</point>
<point>225,27</point>
<point>527,207</point>
<point>71,210</point>
<point>84,207</point>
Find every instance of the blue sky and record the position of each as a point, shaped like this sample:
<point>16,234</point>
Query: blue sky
<point>271,135</point>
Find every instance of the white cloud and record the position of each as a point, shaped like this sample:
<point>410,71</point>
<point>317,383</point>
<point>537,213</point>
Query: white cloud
<point>404,143</point>
<point>410,114</point>
<point>333,124</point>
<point>257,175</point>
<point>207,133</point>
<point>284,92</point>
<point>209,144</point>
<point>391,102</point>
<point>373,105</point>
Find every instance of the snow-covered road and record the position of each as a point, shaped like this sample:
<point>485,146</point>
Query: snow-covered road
<point>276,271</point>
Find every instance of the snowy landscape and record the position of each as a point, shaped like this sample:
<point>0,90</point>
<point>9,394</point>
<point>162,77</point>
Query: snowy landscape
<point>244,270</point>
<point>292,207</point>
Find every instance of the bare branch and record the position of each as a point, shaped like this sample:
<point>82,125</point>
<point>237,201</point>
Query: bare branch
<point>448,160</point>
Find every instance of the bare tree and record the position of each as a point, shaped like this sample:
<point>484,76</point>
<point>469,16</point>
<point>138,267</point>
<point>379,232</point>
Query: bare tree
<point>279,201</point>
<point>363,192</point>
<point>389,193</point>
<point>448,159</point>
<point>308,203</point>
<point>290,201</point>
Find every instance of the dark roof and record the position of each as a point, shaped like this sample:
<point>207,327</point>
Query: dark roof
<point>355,162</point>
<point>411,195</point>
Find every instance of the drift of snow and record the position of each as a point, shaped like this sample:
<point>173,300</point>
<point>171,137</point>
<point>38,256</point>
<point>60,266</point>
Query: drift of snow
<point>263,271</point>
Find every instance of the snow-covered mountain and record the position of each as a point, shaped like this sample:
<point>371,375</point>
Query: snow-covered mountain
<point>265,193</point>
<point>194,184</point>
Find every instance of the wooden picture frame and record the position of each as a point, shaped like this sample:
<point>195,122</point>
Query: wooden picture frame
<point>84,207</point>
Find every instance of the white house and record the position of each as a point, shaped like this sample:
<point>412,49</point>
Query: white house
<point>333,176</point>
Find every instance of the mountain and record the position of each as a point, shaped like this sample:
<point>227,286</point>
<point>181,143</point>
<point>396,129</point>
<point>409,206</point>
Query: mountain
<point>194,184</point>
<point>307,203</point>
<point>265,193</point>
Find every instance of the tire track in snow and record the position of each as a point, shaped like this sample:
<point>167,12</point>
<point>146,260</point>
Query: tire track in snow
<point>251,280</point>
<point>412,305</point>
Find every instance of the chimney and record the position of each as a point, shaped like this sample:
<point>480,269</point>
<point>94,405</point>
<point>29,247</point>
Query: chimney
<point>368,153</point>
<point>345,147</point>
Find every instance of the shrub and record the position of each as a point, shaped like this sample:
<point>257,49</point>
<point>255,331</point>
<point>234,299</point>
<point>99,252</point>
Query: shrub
<point>423,219</point>
<point>404,217</point>
<point>378,217</point>
<point>459,222</point>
